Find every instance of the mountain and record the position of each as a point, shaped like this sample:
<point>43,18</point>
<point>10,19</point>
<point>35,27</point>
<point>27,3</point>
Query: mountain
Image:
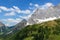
<point>17,27</point>
<point>2,28</point>
<point>20,25</point>
<point>46,14</point>
<point>45,30</point>
<point>44,24</point>
<point>39,16</point>
<point>49,30</point>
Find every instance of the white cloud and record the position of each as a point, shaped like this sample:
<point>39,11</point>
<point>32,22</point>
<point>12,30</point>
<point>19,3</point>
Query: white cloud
<point>17,9</point>
<point>25,11</point>
<point>11,21</point>
<point>26,17</point>
<point>46,5</point>
<point>33,6</point>
<point>49,4</point>
<point>10,14</point>
<point>21,11</point>
<point>13,10</point>
<point>8,9</point>
<point>3,8</point>
<point>36,5</point>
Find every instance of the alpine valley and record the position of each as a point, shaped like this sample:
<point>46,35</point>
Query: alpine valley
<point>43,24</point>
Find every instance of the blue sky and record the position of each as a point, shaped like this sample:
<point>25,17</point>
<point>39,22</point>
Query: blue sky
<point>13,11</point>
<point>23,4</point>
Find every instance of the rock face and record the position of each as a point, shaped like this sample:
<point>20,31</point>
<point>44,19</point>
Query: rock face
<point>20,25</point>
<point>17,27</point>
<point>41,15</point>
<point>2,28</point>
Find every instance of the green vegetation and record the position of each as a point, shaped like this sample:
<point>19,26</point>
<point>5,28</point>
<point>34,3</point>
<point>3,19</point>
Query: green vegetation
<point>45,31</point>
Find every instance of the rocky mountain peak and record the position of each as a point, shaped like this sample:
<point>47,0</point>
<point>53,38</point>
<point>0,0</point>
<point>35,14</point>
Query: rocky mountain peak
<point>41,15</point>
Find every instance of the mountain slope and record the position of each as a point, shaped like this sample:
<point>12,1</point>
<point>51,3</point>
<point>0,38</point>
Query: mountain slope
<point>48,30</point>
<point>42,15</point>
<point>16,27</point>
<point>45,31</point>
<point>2,28</point>
<point>20,25</point>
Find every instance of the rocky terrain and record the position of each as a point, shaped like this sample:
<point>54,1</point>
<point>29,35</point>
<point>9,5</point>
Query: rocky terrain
<point>42,15</point>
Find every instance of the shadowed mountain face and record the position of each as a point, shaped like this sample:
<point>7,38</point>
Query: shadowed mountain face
<point>2,28</point>
<point>17,27</point>
<point>20,25</point>
<point>42,14</point>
